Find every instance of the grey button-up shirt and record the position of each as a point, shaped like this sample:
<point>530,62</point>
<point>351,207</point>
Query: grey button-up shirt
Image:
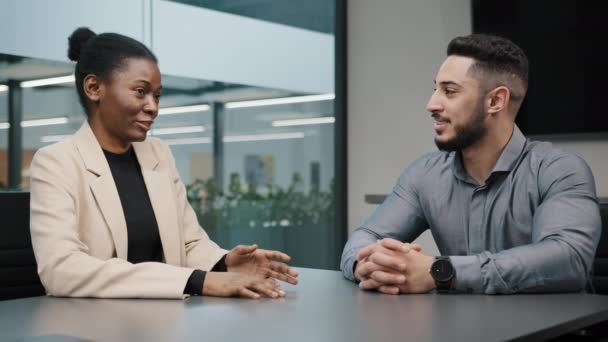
<point>532,227</point>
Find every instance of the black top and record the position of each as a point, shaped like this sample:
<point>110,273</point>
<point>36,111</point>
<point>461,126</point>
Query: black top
<point>144,244</point>
<point>142,228</point>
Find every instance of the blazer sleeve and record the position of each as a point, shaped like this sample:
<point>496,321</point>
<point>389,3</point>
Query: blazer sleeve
<point>201,252</point>
<point>65,265</point>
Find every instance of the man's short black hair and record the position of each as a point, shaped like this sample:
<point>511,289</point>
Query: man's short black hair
<point>495,57</point>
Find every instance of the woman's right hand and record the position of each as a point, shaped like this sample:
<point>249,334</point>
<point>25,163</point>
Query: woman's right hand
<point>232,284</point>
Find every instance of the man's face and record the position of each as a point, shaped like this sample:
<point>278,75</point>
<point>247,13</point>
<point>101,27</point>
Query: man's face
<point>457,106</point>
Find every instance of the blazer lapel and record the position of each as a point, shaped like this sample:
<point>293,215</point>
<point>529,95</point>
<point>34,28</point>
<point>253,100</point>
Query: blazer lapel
<point>103,188</point>
<point>106,195</point>
<point>160,191</point>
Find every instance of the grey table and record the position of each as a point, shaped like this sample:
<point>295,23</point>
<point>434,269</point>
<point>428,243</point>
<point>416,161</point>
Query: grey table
<point>323,307</point>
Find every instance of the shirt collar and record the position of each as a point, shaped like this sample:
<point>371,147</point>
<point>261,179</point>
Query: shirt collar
<point>510,154</point>
<point>506,162</point>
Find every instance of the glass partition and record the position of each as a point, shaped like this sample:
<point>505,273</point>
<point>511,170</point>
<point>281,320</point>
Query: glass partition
<point>269,181</point>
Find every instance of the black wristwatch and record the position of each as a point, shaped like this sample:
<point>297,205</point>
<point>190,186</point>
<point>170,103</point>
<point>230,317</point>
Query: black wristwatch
<point>443,273</point>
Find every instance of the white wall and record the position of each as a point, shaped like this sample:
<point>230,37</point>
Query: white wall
<point>394,50</point>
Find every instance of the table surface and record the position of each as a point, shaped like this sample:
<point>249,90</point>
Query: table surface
<point>323,307</point>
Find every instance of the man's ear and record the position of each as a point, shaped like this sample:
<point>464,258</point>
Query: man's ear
<point>498,99</point>
<point>93,88</point>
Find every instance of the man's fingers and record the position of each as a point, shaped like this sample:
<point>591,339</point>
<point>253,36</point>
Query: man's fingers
<point>394,245</point>
<point>365,252</point>
<point>369,284</point>
<point>416,247</point>
<point>388,278</point>
<point>387,289</point>
<point>368,267</point>
<point>399,246</point>
<point>388,261</point>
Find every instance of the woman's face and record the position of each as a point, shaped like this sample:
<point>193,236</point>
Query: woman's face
<point>128,103</point>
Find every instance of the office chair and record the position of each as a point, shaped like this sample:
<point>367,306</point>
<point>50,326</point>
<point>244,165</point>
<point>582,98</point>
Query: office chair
<point>18,275</point>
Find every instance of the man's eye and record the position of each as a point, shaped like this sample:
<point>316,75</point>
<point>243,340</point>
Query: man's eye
<point>140,91</point>
<point>449,91</point>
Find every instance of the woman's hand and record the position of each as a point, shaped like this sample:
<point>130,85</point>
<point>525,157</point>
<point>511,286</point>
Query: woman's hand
<point>251,260</point>
<point>231,284</point>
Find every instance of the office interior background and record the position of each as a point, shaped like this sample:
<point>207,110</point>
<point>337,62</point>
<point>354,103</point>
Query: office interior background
<point>281,115</point>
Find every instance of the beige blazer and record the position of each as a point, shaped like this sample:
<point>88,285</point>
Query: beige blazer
<point>79,233</point>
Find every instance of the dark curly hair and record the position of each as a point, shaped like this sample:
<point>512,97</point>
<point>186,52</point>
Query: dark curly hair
<point>101,55</point>
<point>496,58</point>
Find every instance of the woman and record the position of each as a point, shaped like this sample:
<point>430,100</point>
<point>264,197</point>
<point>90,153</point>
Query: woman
<point>109,214</point>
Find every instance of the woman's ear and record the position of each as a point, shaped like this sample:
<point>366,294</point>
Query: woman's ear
<point>93,88</point>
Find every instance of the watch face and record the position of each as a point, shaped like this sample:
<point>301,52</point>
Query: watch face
<point>442,270</point>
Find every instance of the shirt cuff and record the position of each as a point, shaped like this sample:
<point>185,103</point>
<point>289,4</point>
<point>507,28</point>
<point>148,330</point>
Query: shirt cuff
<point>221,265</point>
<point>194,286</point>
<point>468,273</point>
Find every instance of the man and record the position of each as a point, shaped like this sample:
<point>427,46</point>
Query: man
<point>508,215</point>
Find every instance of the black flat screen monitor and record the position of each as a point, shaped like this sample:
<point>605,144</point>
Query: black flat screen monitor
<point>566,42</point>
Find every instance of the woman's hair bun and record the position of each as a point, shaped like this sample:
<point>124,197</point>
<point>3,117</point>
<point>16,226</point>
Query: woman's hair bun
<point>77,40</point>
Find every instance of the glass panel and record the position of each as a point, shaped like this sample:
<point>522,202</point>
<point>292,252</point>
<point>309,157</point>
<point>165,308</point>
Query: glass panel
<point>50,113</point>
<point>315,15</point>
<point>278,155</point>
<point>186,129</point>
<point>279,167</point>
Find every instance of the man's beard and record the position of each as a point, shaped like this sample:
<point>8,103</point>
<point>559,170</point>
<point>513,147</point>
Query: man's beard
<point>467,134</point>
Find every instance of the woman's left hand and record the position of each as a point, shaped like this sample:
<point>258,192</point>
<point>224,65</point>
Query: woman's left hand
<point>250,259</point>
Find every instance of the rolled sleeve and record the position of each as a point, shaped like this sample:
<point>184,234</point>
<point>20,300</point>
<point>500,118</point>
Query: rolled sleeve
<point>468,275</point>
